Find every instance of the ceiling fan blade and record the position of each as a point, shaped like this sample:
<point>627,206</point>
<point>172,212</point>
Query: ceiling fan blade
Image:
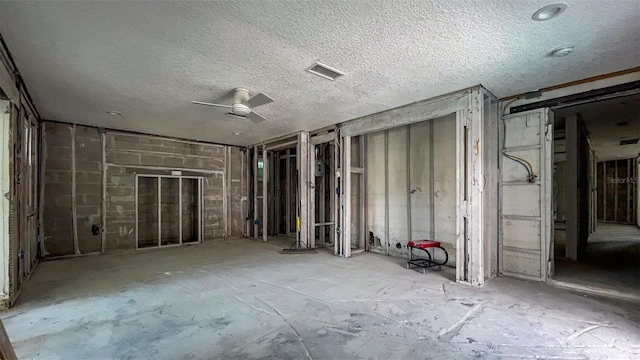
<point>255,117</point>
<point>210,104</point>
<point>257,100</point>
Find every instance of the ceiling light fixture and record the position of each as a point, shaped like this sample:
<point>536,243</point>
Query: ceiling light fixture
<point>114,113</point>
<point>561,51</point>
<point>549,12</point>
<point>237,133</point>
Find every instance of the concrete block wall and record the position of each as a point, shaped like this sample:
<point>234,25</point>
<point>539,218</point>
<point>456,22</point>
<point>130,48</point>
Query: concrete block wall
<point>57,217</point>
<point>147,212</point>
<point>118,157</point>
<point>238,171</point>
<point>88,184</point>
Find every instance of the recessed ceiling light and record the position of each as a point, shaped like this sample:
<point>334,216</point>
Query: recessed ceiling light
<point>237,133</point>
<point>549,12</point>
<point>561,51</point>
<point>114,113</point>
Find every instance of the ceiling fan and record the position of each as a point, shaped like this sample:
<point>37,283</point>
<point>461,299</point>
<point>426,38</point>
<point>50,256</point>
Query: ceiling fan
<point>242,105</point>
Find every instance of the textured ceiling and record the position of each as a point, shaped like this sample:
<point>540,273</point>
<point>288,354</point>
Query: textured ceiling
<point>601,120</point>
<point>149,59</point>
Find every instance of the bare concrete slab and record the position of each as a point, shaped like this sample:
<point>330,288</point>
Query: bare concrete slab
<point>245,300</point>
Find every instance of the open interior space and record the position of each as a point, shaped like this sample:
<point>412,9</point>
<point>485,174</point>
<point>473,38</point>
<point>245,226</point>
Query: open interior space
<point>240,300</point>
<point>320,180</point>
<point>597,240</point>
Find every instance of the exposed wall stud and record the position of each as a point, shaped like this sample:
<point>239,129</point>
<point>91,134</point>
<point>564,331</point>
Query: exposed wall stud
<point>386,192</point>
<point>408,165</point>
<point>265,193</point>
<point>103,235</point>
<point>255,216</point>
<point>346,196</point>
<point>304,186</point>
<point>159,211</point>
<point>74,206</point>
<point>179,210</point>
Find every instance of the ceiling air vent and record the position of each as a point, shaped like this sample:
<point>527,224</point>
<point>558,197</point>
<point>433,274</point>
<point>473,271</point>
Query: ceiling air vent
<point>325,71</point>
<point>629,141</point>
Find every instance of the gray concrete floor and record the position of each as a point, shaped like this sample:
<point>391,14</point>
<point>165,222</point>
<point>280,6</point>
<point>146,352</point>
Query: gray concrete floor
<point>612,260</point>
<point>245,300</point>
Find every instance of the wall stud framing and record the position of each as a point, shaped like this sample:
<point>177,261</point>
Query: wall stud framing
<point>346,196</point>
<point>255,192</point>
<point>104,195</point>
<point>74,205</point>
<point>179,210</point>
<point>265,192</point>
<point>336,189</point>
<point>432,183</point>
<point>386,192</point>
<point>159,211</point>
<point>137,231</point>
<point>302,157</point>
<point>311,227</point>
<point>408,164</point>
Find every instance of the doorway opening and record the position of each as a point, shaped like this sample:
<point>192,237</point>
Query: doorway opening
<point>324,189</point>
<point>596,197</point>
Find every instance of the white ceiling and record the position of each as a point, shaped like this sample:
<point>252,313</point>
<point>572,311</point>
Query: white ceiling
<point>149,59</point>
<point>602,121</point>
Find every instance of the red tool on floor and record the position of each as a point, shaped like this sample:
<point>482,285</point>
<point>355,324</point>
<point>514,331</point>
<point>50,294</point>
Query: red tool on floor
<point>431,259</point>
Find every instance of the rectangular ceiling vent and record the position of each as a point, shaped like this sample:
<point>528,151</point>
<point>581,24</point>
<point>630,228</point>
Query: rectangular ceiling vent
<point>325,71</point>
<point>629,141</point>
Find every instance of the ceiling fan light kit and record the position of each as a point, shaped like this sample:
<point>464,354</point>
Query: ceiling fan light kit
<point>242,104</point>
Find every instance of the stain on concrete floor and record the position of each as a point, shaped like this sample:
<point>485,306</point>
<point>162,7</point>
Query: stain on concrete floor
<point>245,300</point>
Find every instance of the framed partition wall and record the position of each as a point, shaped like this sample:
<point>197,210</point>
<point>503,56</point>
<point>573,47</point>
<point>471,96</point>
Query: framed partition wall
<point>470,120</point>
<point>168,210</point>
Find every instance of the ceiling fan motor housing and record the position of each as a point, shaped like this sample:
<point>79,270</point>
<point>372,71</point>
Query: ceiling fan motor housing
<point>239,109</point>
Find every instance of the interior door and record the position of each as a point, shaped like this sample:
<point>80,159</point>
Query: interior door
<point>525,195</point>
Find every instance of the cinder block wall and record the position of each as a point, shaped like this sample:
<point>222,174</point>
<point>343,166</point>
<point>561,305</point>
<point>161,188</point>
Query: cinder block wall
<point>87,172</point>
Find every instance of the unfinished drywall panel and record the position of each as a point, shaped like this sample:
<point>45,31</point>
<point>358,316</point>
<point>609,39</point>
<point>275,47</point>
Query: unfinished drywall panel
<point>397,190</point>
<point>411,185</point>
<point>88,189</point>
<point>421,163</point>
<point>444,183</point>
<point>376,174</point>
<point>356,194</point>
<point>58,225</point>
<point>490,185</point>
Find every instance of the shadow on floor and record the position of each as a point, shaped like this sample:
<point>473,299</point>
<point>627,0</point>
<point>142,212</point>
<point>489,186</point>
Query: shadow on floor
<point>612,259</point>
